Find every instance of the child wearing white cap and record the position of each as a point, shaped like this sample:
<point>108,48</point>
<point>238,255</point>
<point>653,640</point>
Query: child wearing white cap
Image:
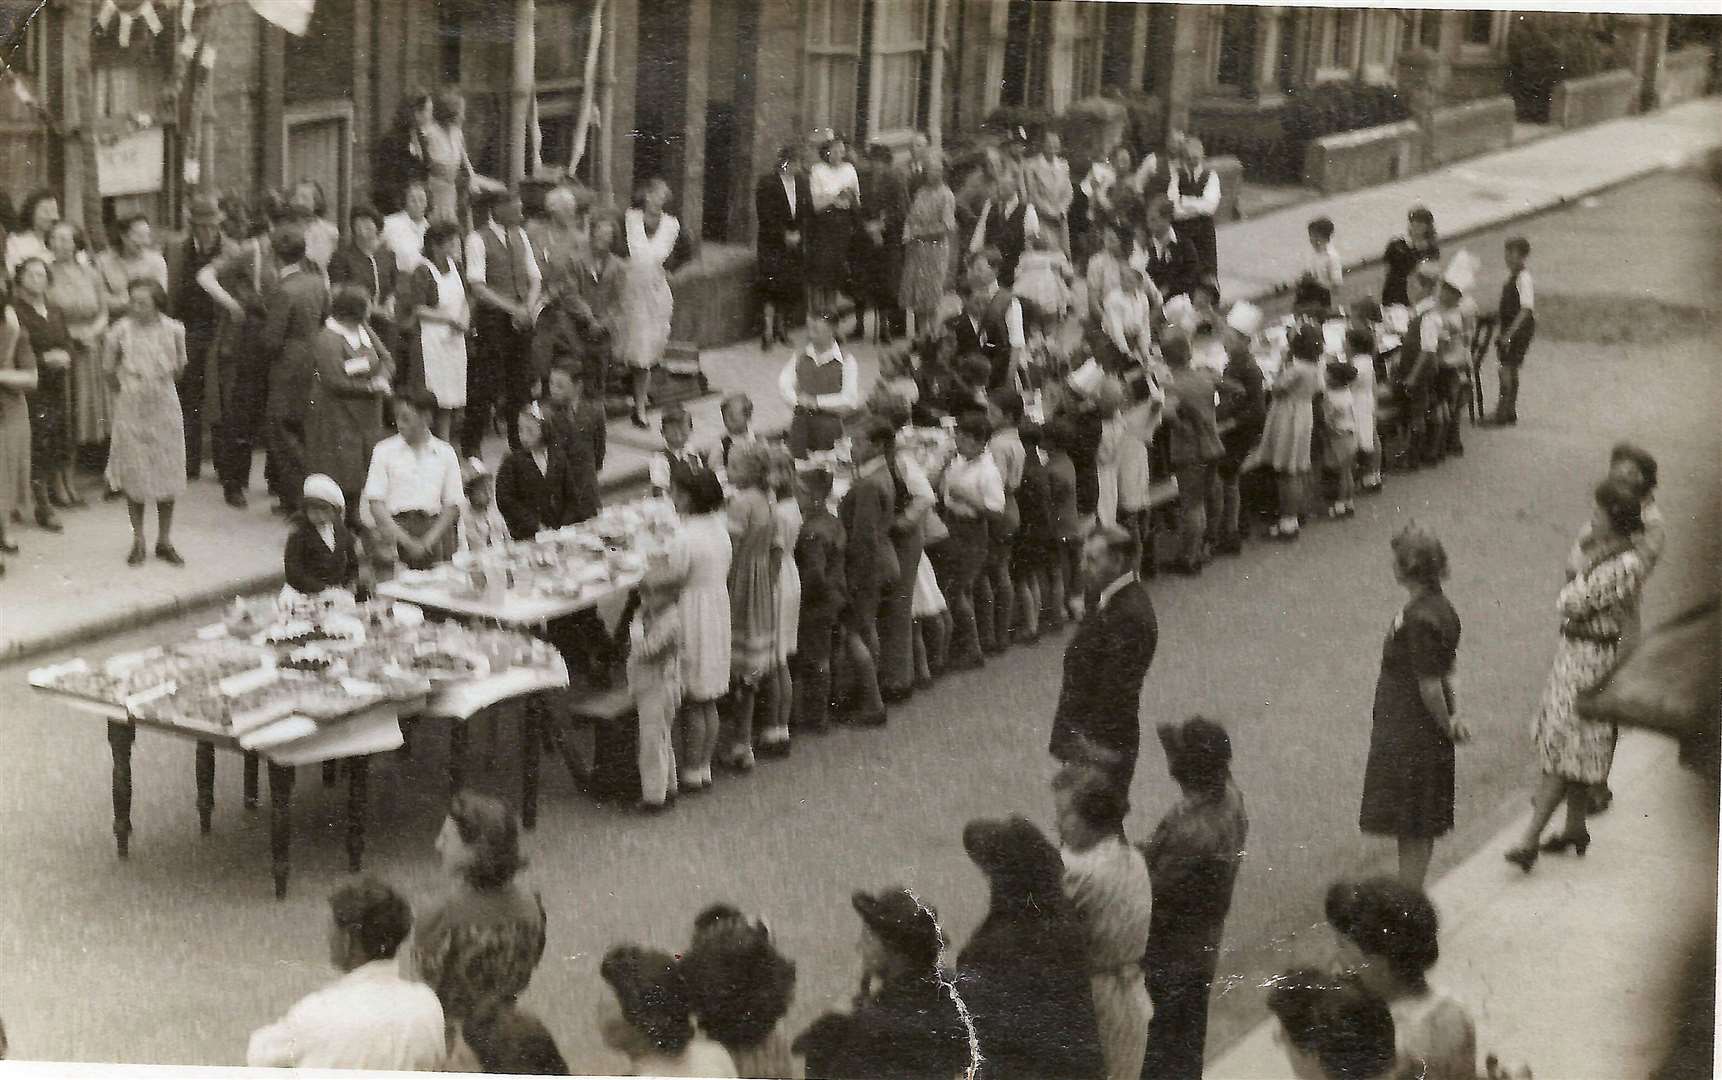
<point>320,553</point>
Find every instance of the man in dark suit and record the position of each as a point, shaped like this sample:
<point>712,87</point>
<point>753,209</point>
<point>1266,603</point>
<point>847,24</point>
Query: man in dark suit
<point>783,210</point>
<point>1002,223</point>
<point>1172,262</point>
<point>198,311</point>
<point>294,313</point>
<point>1105,663</point>
<point>364,260</point>
<point>577,430</point>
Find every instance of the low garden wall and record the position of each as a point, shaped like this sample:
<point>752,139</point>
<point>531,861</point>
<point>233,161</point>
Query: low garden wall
<point>1593,99</point>
<point>1463,131</point>
<point>1349,160</point>
<point>1685,75</point>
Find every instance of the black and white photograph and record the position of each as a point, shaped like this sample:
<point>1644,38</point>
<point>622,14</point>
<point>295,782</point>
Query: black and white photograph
<point>860,539</point>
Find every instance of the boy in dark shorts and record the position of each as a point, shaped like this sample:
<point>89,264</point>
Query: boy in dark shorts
<point>1518,325</point>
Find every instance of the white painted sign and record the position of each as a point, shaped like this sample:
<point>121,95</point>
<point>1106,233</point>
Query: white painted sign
<point>131,164</point>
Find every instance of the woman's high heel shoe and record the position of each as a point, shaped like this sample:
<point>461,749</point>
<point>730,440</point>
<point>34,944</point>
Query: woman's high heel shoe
<point>1523,858</point>
<point>1558,843</point>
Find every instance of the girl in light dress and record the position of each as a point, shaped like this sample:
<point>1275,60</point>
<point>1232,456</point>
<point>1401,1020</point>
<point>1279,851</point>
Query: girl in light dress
<point>752,598</point>
<point>1339,416</point>
<point>696,562</point>
<point>1360,346</point>
<point>786,514</point>
<point>655,684</point>
<point>1285,445</point>
<point>1044,278</point>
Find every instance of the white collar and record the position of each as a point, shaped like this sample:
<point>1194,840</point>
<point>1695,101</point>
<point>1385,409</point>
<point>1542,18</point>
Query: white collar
<point>358,339</point>
<point>1112,590</point>
<point>498,228</point>
<point>834,354</point>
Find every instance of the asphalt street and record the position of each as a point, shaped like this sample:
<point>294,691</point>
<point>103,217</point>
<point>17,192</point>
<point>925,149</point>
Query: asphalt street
<point>174,956</point>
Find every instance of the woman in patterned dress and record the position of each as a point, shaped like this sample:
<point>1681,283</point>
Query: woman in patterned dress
<point>479,947</point>
<point>752,597</point>
<point>927,232</point>
<point>17,379</point>
<point>1600,594</point>
<point>1107,882</point>
<point>75,288</point>
<point>142,357</point>
<point>652,247</point>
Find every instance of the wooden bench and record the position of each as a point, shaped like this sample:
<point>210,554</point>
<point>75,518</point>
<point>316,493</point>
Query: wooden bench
<point>604,731</point>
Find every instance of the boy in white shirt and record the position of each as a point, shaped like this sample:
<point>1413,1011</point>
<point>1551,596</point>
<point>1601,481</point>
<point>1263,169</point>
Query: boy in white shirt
<point>1318,285</point>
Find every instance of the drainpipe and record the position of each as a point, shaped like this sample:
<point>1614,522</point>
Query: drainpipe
<point>936,79</point>
<point>522,87</point>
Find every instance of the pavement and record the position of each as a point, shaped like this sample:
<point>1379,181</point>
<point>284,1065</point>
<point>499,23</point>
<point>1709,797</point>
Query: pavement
<point>75,586</point>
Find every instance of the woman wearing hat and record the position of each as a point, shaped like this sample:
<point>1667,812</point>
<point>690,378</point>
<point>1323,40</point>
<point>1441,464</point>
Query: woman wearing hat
<point>647,1019</point>
<point>351,373</point>
<point>1408,781</point>
<point>1193,860</point>
<point>320,552</point>
<point>905,1023</point>
<point>1024,974</point>
<point>835,189</point>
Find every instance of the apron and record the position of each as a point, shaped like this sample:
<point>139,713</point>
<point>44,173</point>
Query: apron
<point>442,348</point>
<point>647,303</point>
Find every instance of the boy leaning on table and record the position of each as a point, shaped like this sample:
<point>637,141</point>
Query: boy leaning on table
<point>414,486</point>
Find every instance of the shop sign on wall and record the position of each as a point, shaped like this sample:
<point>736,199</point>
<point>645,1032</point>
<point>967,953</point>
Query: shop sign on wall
<point>131,164</point>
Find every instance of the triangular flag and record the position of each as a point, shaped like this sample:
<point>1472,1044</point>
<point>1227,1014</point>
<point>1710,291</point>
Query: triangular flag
<point>293,16</point>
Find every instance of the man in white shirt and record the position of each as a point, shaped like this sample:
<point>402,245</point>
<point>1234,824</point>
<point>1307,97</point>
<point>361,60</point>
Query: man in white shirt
<point>371,1017</point>
<point>991,323</point>
<point>404,230</point>
<point>414,487</point>
<point>823,383</point>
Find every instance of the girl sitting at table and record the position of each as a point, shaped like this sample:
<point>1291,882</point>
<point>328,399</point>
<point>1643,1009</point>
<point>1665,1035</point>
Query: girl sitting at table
<point>655,684</point>
<point>481,523</point>
<point>320,552</point>
<point>675,460</point>
<point>534,488</point>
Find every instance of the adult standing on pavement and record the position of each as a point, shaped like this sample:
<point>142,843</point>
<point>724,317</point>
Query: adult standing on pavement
<point>200,315</point>
<point>1387,936</point>
<point>364,261</point>
<point>414,487</point>
<point>783,209</point>
<point>652,247</point>
<point>38,215</point>
<point>834,189</point>
<point>308,207</point>
<point>351,373</point>
<point>560,238</point>
<point>1193,859</point>
<point>450,177</point>
<point>1404,253</point>
<point>503,276</point>
<point>134,256</point>
<point>1046,185</point>
<point>479,946</point>
<point>1106,661</point>
<point>292,314</point>
<point>1195,445</point>
<point>50,402</point>
<point>1107,882</point>
<point>1597,606</point>
<point>876,255</point>
<point>404,230</point>
<point>1023,975</point>
<point>928,227</point>
<point>399,158</point>
<point>240,282</point>
<point>823,384</point>
<point>1171,261</point>
<point>1195,195</point>
<point>17,378</point>
<point>438,314</point>
<point>1243,407</point>
<point>75,288</point>
<point>905,1022</point>
<point>868,512</point>
<point>144,356</point>
<point>1408,781</point>
<point>578,325</point>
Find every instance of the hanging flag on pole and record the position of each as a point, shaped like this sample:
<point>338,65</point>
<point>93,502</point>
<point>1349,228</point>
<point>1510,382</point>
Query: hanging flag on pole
<point>534,140</point>
<point>293,16</point>
<point>588,90</point>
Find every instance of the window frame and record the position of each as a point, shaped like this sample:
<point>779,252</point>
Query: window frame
<point>1324,39</point>
<point>1497,33</point>
<point>888,46</point>
<point>340,201</point>
<point>820,53</point>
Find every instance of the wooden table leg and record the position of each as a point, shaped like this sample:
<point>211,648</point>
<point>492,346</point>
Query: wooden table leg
<point>280,825</point>
<point>357,779</point>
<point>121,735</point>
<point>250,780</point>
<point>205,785</point>
<point>331,773</point>
<point>530,749</point>
<point>457,740</point>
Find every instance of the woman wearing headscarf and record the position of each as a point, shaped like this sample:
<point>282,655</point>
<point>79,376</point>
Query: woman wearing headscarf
<point>1107,882</point>
<point>1596,606</point>
<point>1408,782</point>
<point>1193,860</point>
<point>479,946</point>
<point>1023,976</point>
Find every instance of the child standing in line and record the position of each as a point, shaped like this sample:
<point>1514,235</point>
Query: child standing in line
<point>1064,588</point>
<point>1032,552</point>
<point>1360,346</point>
<point>752,599</point>
<point>737,413</point>
<point>779,705</point>
<point>819,561</point>
<point>655,684</point>
<point>1338,414</point>
<point>1006,450</point>
<point>1290,424</point>
<point>1318,285</point>
<point>675,461</point>
<point>1518,324</point>
<point>1043,280</point>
